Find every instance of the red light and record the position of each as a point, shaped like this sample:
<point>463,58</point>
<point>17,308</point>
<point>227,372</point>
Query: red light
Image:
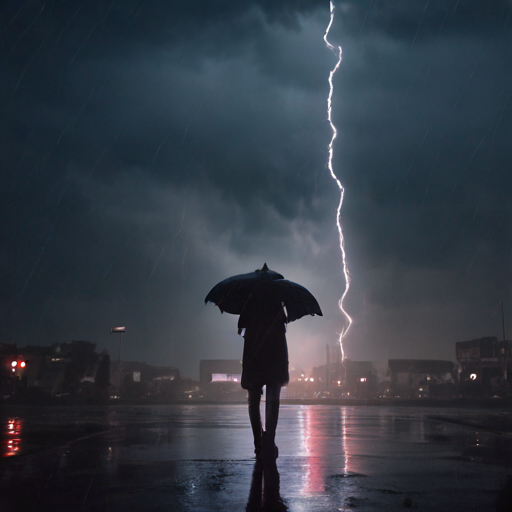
<point>14,363</point>
<point>23,364</point>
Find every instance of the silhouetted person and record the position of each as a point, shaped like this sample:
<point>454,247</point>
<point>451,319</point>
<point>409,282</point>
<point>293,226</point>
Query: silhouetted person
<point>265,362</point>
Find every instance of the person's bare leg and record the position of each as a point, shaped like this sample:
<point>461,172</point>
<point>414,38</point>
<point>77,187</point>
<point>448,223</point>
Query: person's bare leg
<point>254,398</point>
<point>271,417</point>
<point>272,410</point>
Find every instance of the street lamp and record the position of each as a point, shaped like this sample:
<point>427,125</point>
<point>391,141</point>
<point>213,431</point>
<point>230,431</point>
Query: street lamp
<point>121,331</point>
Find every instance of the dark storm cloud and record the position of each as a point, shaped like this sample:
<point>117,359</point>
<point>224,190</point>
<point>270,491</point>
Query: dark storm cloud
<point>152,149</point>
<point>420,21</point>
<point>118,27</point>
<point>78,97</point>
<point>426,157</point>
<point>447,106</point>
<point>50,223</point>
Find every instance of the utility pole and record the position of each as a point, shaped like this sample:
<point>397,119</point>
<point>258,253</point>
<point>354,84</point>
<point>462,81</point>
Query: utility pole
<point>120,330</point>
<point>504,350</point>
<point>503,320</point>
<point>327,372</point>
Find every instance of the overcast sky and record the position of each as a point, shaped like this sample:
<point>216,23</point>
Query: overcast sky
<point>150,149</point>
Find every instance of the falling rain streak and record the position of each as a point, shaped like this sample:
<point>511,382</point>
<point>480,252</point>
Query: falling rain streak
<point>337,52</point>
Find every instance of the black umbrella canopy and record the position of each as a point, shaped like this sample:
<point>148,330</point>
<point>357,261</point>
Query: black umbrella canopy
<point>299,301</point>
<point>231,294</point>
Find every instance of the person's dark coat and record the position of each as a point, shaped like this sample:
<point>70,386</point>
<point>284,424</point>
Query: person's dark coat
<point>265,359</point>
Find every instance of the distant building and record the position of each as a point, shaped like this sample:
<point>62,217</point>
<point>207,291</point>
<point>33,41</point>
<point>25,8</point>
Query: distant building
<point>303,384</point>
<point>327,377</point>
<point>11,372</point>
<point>7,348</point>
<point>60,369</point>
<point>485,366</point>
<point>360,378</point>
<point>220,379</point>
<point>356,379</point>
<point>135,379</point>
<point>219,370</point>
<point>421,378</point>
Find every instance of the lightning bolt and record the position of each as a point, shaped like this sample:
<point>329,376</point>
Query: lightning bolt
<point>337,52</point>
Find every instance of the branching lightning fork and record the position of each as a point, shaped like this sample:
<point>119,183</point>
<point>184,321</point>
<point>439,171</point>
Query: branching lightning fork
<point>337,52</point>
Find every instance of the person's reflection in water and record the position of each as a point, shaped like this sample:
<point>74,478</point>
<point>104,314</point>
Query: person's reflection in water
<point>254,502</point>
<point>265,491</point>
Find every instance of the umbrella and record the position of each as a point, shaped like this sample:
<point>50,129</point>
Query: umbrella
<point>299,301</point>
<point>231,294</point>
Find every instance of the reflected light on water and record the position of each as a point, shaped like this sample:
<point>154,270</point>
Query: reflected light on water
<point>11,437</point>
<point>344,441</point>
<point>321,446</point>
<point>314,479</point>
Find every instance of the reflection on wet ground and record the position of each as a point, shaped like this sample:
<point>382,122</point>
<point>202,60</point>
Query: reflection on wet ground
<point>199,458</point>
<point>11,437</point>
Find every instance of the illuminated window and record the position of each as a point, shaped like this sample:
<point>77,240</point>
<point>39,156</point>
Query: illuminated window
<point>226,377</point>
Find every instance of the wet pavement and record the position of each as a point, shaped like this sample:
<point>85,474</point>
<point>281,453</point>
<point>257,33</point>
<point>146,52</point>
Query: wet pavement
<point>199,458</point>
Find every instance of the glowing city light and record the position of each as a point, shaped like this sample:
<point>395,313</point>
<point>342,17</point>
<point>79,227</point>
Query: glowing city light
<point>14,363</point>
<point>337,52</point>
<point>473,376</point>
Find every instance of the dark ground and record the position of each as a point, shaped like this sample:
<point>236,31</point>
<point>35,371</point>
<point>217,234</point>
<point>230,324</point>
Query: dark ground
<point>199,458</point>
